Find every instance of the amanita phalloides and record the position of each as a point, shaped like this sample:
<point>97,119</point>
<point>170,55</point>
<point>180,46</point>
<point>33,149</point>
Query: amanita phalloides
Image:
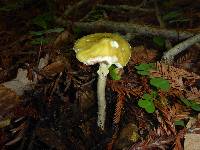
<point>105,49</point>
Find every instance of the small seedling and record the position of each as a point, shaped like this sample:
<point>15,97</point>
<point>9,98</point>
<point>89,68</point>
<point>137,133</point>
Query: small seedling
<point>146,102</point>
<point>179,123</point>
<point>143,69</point>
<point>114,72</point>
<point>160,83</point>
<point>191,104</point>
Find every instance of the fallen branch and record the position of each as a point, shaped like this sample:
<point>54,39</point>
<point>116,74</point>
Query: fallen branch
<point>110,26</point>
<point>75,7</point>
<point>168,57</point>
<point>71,9</point>
<point>125,8</point>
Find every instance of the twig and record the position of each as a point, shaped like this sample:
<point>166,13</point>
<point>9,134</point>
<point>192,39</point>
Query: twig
<point>88,83</point>
<point>125,7</point>
<point>168,57</point>
<point>90,14</point>
<point>74,7</point>
<point>71,9</point>
<point>132,28</point>
<point>55,84</point>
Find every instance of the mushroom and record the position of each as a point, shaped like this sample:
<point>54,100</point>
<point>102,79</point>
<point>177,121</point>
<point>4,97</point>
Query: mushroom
<point>105,49</point>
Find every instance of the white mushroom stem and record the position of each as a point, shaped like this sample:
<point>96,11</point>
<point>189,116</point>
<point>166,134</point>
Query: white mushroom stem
<point>101,85</point>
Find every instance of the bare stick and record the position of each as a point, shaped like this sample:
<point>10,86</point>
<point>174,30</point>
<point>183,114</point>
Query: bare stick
<point>71,9</point>
<point>168,57</point>
<point>124,7</point>
<point>132,28</point>
<point>75,6</point>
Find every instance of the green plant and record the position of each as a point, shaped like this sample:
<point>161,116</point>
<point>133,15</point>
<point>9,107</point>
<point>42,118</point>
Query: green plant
<point>114,73</point>
<point>191,104</point>
<point>179,123</point>
<point>40,41</point>
<point>43,22</point>
<point>146,102</point>
<point>160,83</point>
<point>39,36</point>
<point>143,69</point>
<point>39,33</point>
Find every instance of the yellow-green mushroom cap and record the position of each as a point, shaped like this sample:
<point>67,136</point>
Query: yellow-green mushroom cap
<point>103,47</point>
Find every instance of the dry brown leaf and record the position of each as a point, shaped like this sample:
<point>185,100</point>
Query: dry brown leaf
<point>63,38</point>
<point>179,136</point>
<point>53,68</point>
<point>8,100</point>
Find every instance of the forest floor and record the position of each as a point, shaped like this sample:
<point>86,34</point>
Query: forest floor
<point>48,99</point>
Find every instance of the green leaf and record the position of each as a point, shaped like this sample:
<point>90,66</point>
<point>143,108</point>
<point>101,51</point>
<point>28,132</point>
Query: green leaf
<point>39,41</point>
<point>147,97</point>
<point>148,105</point>
<point>179,123</point>
<point>154,94</point>
<point>160,83</point>
<point>186,102</point>
<point>37,33</point>
<point>113,71</point>
<point>195,106</point>
<point>146,102</point>
<point>191,104</point>
<point>55,30</point>
<point>142,72</point>
<point>143,69</point>
<point>159,41</point>
<point>145,66</point>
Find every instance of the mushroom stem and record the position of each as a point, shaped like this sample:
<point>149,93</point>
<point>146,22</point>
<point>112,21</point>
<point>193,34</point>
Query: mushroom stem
<point>101,86</point>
